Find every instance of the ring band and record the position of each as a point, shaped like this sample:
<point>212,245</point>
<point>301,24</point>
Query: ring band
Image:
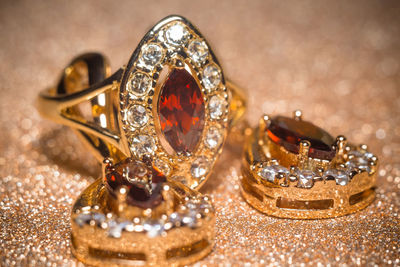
<point>125,106</point>
<point>293,169</point>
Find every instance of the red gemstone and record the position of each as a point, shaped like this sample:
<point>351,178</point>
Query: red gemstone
<point>181,111</point>
<point>288,133</point>
<point>144,184</point>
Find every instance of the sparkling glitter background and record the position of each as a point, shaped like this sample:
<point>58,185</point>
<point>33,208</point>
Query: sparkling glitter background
<point>338,61</point>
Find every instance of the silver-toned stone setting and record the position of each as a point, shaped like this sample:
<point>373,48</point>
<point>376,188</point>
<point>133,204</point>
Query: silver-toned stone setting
<point>162,166</point>
<point>151,55</point>
<point>217,107</point>
<point>198,51</point>
<point>142,145</point>
<point>136,115</point>
<point>199,167</point>
<point>211,77</point>
<point>305,178</point>
<point>213,138</point>
<point>270,173</point>
<point>190,214</point>
<point>139,84</point>
<point>176,35</point>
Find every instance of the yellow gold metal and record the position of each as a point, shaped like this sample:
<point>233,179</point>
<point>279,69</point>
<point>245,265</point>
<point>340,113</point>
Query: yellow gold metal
<point>95,242</point>
<point>324,197</point>
<point>102,127</point>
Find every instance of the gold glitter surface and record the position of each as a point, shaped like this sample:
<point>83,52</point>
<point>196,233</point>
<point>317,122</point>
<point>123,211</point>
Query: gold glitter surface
<point>338,61</point>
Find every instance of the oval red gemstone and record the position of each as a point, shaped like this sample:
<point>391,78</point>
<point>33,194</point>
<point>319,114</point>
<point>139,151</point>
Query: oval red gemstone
<point>181,111</point>
<point>288,133</point>
<point>144,184</point>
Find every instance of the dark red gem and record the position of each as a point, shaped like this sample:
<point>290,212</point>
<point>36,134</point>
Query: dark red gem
<point>144,183</point>
<point>288,132</point>
<point>181,111</point>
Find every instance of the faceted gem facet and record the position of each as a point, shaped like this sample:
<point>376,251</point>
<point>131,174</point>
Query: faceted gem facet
<point>136,116</point>
<point>151,55</point>
<point>144,184</point>
<point>177,34</point>
<point>211,77</point>
<point>198,51</point>
<point>289,132</point>
<point>139,84</point>
<point>181,111</point>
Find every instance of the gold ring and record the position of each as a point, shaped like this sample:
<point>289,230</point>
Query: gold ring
<point>294,169</point>
<point>134,216</point>
<point>157,125</point>
<point>170,103</point>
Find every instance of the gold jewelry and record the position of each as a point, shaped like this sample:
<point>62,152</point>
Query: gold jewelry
<point>170,103</point>
<point>294,169</point>
<point>159,123</point>
<point>134,216</point>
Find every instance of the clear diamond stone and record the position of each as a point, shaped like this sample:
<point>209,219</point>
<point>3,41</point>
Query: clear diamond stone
<point>269,172</point>
<point>217,107</point>
<point>198,51</point>
<point>153,229</point>
<point>359,160</point>
<point>190,220</point>
<point>177,35</point>
<point>162,166</point>
<point>341,177</point>
<point>213,138</point>
<point>211,77</point>
<point>116,228</point>
<point>139,84</point>
<point>306,178</point>
<point>136,116</point>
<point>83,219</point>
<point>199,167</point>
<point>151,55</point>
<point>142,145</point>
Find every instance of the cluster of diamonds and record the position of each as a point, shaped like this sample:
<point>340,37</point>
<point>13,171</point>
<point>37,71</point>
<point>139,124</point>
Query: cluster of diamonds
<point>137,97</point>
<point>357,161</point>
<point>189,214</point>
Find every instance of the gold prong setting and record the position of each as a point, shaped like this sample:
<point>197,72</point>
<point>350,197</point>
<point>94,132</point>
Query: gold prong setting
<point>190,214</point>
<point>287,184</point>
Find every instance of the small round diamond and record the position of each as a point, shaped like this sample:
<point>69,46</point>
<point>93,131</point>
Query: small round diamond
<point>198,51</point>
<point>142,145</point>
<point>217,107</point>
<point>151,55</point>
<point>177,35</point>
<point>162,166</point>
<point>213,138</point>
<point>139,84</point>
<point>211,77</point>
<point>136,116</point>
<point>199,167</point>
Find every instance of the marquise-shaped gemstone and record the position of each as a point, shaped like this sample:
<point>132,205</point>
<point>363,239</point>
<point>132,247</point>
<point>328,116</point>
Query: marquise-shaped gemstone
<point>181,111</point>
<point>288,133</point>
<point>144,184</point>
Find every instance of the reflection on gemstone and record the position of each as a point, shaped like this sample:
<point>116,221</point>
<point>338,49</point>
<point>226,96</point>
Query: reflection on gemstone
<point>289,132</point>
<point>144,184</point>
<point>211,77</point>
<point>151,55</point>
<point>181,111</point>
